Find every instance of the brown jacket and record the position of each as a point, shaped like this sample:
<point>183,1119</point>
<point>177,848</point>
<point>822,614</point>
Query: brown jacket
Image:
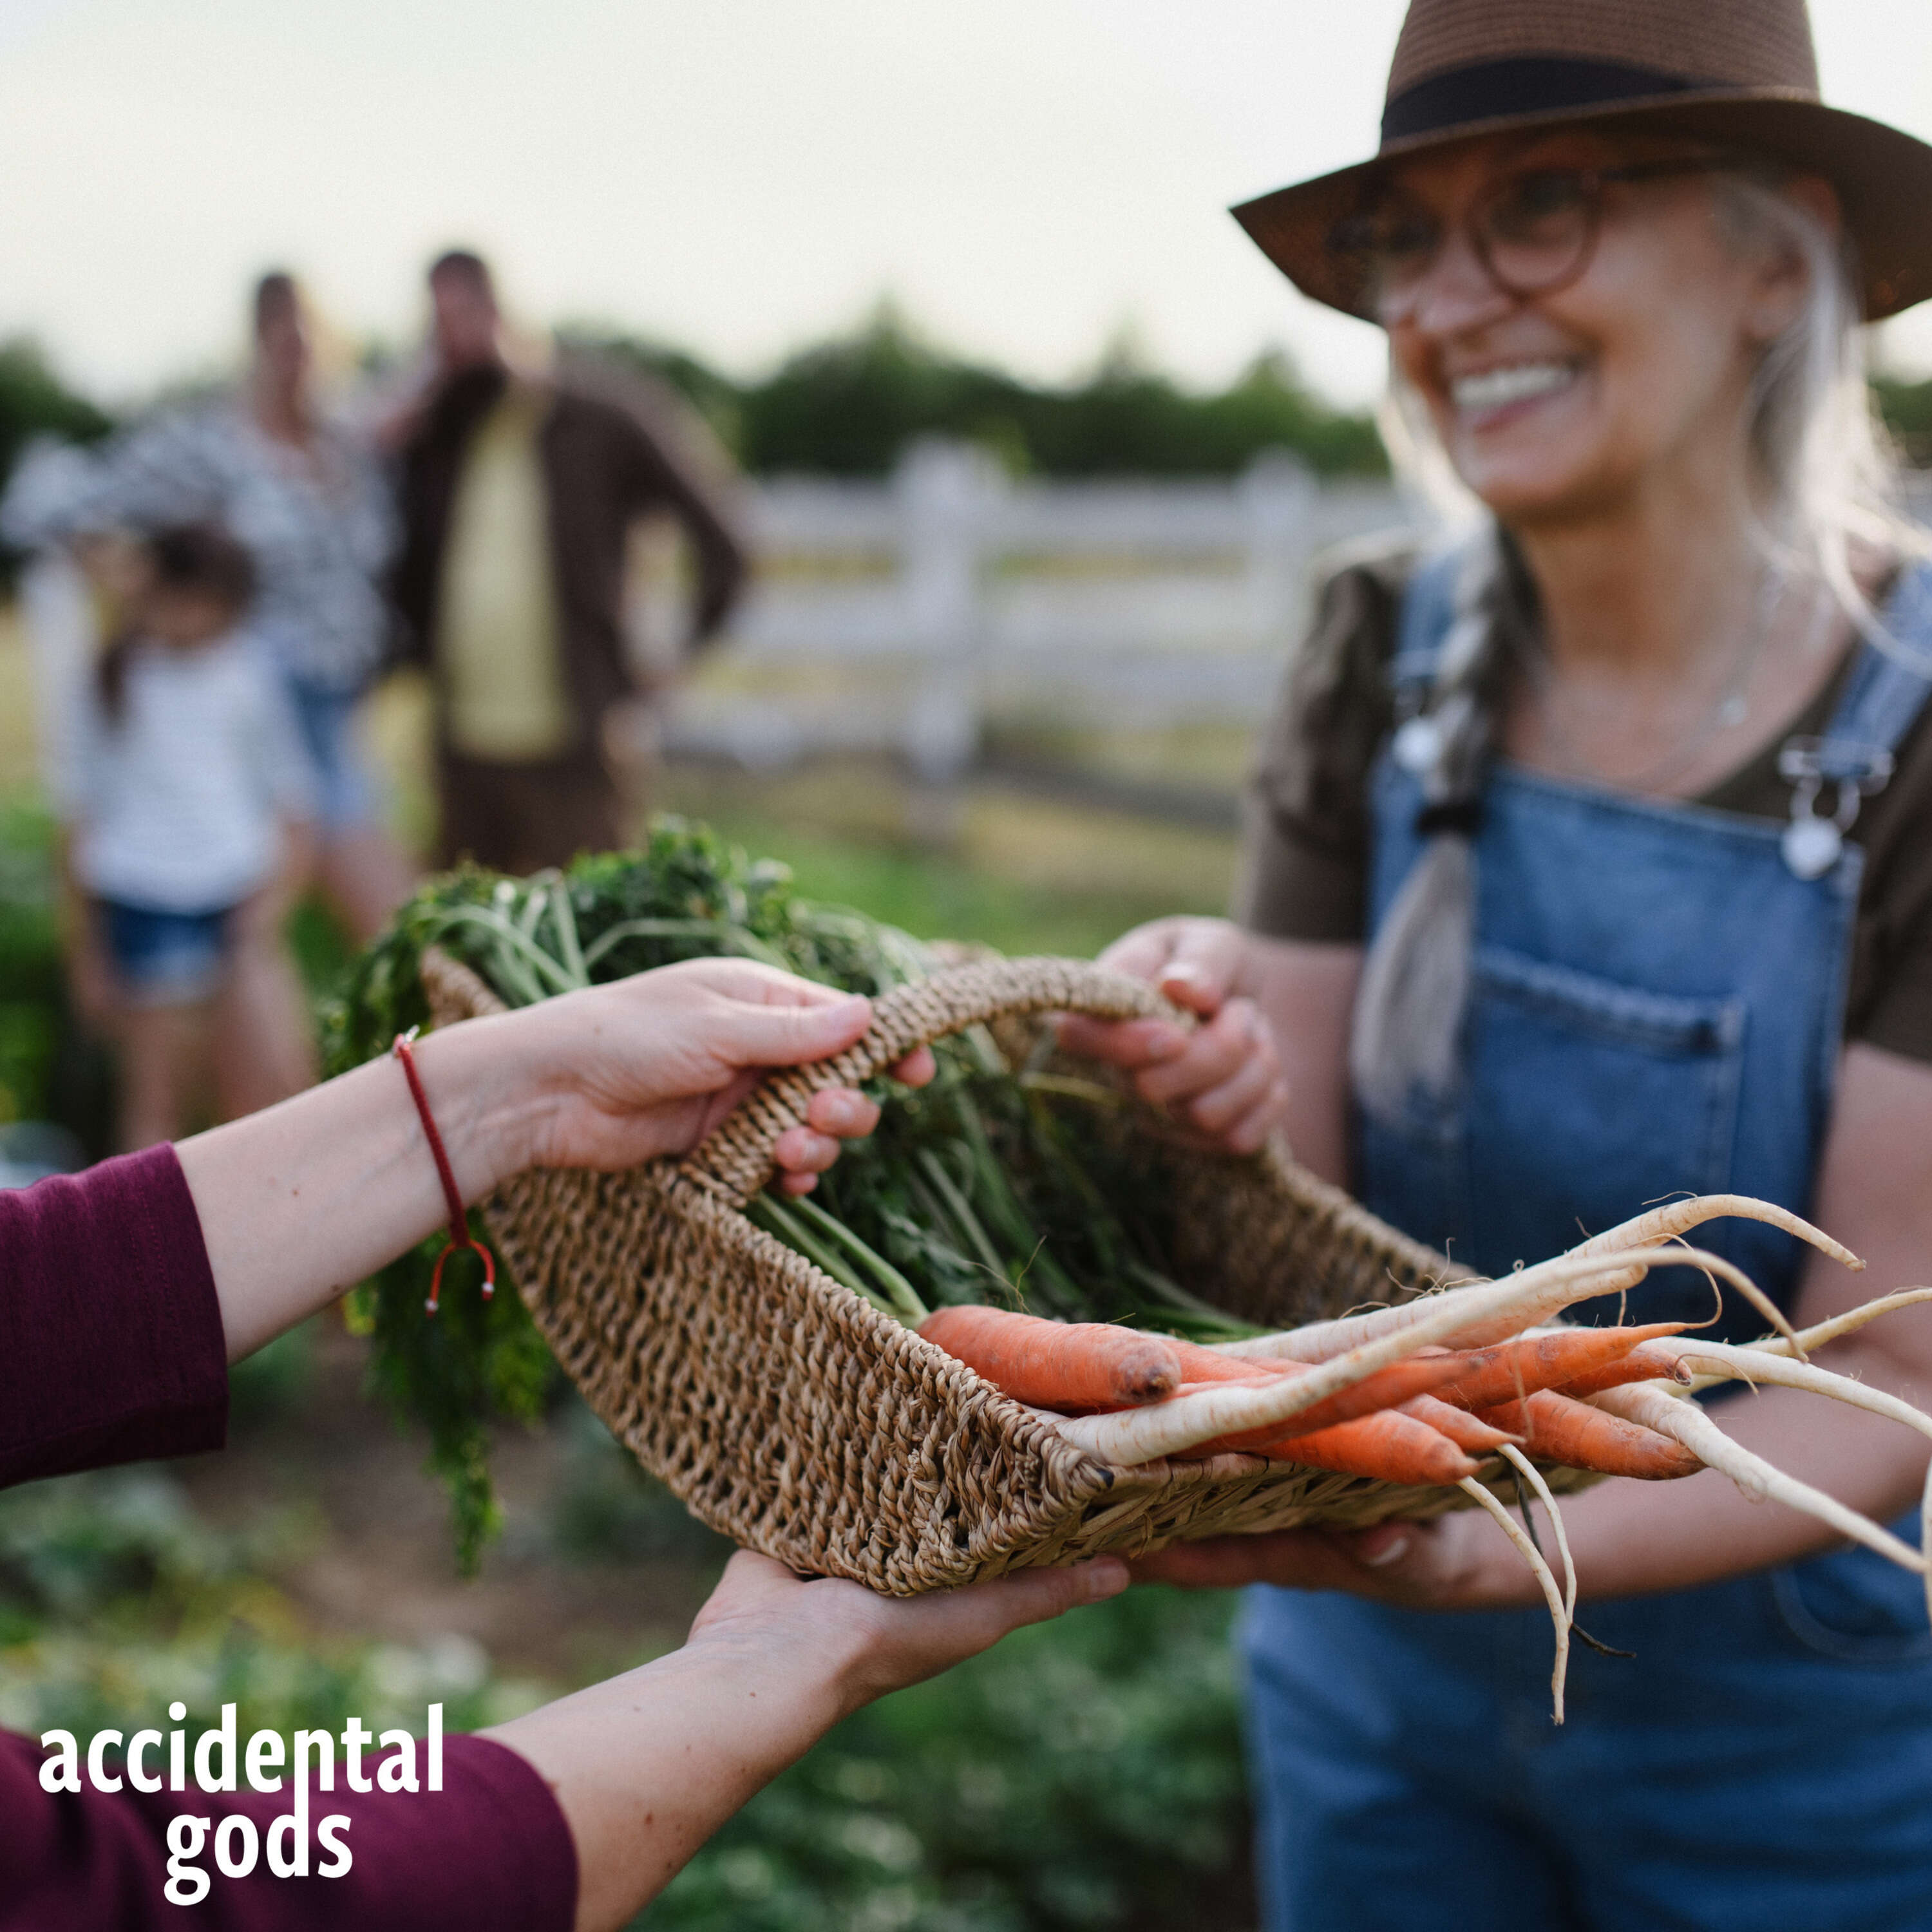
<point>606,462</point>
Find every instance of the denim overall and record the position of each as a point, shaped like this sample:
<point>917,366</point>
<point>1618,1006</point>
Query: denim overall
<point>1656,1007</point>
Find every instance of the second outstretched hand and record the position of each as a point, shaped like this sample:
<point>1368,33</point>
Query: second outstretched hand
<point>1224,1076</point>
<point>301,1200</point>
<point>648,1765</point>
<point>1459,1562</point>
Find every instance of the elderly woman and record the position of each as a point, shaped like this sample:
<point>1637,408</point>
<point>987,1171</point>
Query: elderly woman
<point>1592,861</point>
<point>125,1291</point>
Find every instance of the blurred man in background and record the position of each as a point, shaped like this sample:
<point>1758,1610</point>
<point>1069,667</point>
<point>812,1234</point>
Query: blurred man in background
<point>520,488</point>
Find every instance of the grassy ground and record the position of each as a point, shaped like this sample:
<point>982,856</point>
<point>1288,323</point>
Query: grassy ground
<point>1016,873</point>
<point>1084,1775</point>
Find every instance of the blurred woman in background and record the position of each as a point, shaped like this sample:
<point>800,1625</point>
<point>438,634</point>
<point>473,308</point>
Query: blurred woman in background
<point>1552,901</point>
<point>308,501</point>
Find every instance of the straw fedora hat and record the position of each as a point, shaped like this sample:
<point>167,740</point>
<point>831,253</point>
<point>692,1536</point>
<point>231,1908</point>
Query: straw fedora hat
<point>1741,73</point>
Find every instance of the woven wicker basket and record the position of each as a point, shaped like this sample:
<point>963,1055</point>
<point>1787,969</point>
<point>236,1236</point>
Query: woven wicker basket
<point>790,1414</point>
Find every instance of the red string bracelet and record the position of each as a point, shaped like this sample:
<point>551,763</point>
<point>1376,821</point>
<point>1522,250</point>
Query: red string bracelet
<point>460,1236</point>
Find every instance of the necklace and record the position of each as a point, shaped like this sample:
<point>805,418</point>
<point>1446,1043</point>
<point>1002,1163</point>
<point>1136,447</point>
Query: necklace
<point>1729,709</point>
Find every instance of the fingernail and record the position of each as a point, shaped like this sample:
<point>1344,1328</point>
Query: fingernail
<point>1394,1553</point>
<point>1106,1576</point>
<point>840,1110</point>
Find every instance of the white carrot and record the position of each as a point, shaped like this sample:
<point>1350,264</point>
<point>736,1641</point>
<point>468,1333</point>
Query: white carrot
<point>1846,1324</point>
<point>1468,1316</point>
<point>1500,1308</point>
<point>1679,1217</point>
<point>1755,1364</point>
<point>1530,1555</point>
<point>1532,1475</point>
<point>1477,1314</point>
<point>1685,1422</point>
<point>1322,1341</point>
<point>1723,1362</point>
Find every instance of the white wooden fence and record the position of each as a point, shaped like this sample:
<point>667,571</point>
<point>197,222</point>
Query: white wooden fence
<point>902,616</point>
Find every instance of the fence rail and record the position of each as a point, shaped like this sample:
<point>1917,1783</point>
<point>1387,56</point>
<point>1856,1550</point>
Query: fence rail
<point>902,616</point>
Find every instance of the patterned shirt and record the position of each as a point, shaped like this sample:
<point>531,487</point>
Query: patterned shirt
<point>319,524</point>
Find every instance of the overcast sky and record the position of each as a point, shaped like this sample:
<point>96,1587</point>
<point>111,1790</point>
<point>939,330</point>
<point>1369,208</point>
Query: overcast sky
<point>1027,176</point>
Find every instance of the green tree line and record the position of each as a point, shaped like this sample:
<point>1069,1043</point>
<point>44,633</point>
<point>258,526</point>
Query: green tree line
<point>34,401</point>
<point>849,406</point>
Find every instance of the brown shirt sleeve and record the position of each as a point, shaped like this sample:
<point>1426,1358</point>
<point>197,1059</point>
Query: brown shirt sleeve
<point>1889,1004</point>
<point>1305,857</point>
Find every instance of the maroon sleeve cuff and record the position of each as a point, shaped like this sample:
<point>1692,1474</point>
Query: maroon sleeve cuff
<point>490,1849</point>
<point>111,1343</point>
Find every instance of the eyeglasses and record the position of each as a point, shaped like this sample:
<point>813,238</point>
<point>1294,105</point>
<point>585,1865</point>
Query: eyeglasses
<point>1534,232</point>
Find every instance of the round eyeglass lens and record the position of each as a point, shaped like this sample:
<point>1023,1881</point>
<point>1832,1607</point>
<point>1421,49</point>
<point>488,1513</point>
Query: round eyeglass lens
<point>1535,230</point>
<point>1395,246</point>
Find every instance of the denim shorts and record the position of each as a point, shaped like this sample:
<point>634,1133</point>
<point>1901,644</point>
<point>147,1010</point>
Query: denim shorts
<point>165,958</point>
<point>347,796</point>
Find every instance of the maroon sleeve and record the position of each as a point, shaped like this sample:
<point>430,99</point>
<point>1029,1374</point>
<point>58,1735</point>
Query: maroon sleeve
<point>111,1345</point>
<point>491,1848</point>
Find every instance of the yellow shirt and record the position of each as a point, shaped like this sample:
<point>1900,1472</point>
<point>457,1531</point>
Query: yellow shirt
<point>496,621</point>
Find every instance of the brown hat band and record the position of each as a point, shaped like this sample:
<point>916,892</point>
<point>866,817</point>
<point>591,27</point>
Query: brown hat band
<point>1536,84</point>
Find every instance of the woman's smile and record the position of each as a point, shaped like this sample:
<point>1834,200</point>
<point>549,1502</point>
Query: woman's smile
<point>1487,398</point>
<point>1519,407</point>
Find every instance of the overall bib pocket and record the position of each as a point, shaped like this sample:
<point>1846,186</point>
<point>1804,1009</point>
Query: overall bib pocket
<point>1560,1058</point>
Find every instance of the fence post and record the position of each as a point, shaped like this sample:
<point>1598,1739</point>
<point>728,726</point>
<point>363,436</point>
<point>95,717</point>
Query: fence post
<point>1277,493</point>
<point>942,491</point>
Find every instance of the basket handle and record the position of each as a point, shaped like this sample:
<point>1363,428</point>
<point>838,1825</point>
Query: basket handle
<point>735,1159</point>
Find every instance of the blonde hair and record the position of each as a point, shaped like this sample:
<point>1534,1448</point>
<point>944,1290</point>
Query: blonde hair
<point>1828,500</point>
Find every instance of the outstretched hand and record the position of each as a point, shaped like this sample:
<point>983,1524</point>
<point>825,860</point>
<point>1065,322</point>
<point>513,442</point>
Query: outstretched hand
<point>650,1065</point>
<point>872,1644</point>
<point>1223,1076</point>
<point>647,1767</point>
<point>1458,1562</point>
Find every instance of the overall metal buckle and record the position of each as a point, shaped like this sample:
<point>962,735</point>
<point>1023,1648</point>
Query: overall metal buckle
<point>1811,844</point>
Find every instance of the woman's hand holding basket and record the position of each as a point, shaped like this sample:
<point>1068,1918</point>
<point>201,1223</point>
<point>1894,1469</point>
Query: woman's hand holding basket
<point>604,1079</point>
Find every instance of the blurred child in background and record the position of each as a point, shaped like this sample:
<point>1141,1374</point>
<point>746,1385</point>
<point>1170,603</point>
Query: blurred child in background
<point>186,803</point>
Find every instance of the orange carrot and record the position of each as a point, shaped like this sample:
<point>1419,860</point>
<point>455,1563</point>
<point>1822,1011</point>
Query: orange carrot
<point>1387,1388</point>
<point>1648,1361</point>
<point>1066,1366</point>
<point>1397,1448</point>
<point>1468,1432</point>
<point>1560,1430</point>
<point>1513,1369</point>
